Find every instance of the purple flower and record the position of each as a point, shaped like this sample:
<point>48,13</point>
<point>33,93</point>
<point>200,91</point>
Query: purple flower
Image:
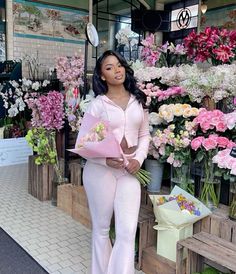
<point>47,110</point>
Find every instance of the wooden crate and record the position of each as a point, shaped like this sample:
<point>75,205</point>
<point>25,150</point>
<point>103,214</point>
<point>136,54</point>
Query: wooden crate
<point>203,246</point>
<point>40,180</point>
<point>146,201</point>
<point>146,233</point>
<point>218,224</point>
<point>64,198</point>
<point>75,172</point>
<point>80,208</point>
<point>155,264</point>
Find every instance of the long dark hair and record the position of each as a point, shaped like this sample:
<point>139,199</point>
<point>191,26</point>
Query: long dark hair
<point>100,87</point>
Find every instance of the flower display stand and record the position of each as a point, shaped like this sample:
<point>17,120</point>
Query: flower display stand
<point>80,208</point>
<point>155,264</point>
<point>75,172</point>
<point>146,233</point>
<point>64,198</point>
<point>217,224</point>
<point>203,246</point>
<point>40,180</point>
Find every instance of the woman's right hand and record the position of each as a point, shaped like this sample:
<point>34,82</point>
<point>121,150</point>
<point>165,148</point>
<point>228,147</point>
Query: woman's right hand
<point>115,162</point>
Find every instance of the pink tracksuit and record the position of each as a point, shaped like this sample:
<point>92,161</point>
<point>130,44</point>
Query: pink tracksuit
<point>109,189</point>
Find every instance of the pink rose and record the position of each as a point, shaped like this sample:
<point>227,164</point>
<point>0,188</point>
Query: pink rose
<point>197,142</point>
<point>222,142</point>
<point>231,144</point>
<point>170,159</point>
<point>149,85</point>
<point>205,125</point>
<point>176,163</point>
<point>217,113</point>
<point>213,137</point>
<point>233,169</point>
<point>209,144</point>
<point>221,126</point>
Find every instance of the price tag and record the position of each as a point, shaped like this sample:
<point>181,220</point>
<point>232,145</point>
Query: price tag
<point>233,152</point>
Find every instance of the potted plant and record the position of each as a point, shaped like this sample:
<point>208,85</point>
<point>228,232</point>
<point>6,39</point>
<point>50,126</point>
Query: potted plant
<point>47,118</point>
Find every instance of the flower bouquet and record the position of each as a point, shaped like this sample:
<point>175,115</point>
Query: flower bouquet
<point>177,209</point>
<point>175,214</point>
<point>207,145</point>
<point>171,141</point>
<point>96,140</point>
<point>225,161</point>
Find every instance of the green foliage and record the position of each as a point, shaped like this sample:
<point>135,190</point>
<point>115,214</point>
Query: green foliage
<point>209,270</point>
<point>42,142</point>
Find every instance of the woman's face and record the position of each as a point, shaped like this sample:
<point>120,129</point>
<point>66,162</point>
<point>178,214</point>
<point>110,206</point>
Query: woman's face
<point>112,71</point>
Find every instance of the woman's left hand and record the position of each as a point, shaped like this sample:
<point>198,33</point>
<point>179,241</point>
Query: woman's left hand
<point>133,166</point>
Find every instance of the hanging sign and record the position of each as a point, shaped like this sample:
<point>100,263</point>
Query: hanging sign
<point>233,152</point>
<point>183,18</point>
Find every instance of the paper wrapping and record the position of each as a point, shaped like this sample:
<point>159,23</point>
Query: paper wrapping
<point>169,215</point>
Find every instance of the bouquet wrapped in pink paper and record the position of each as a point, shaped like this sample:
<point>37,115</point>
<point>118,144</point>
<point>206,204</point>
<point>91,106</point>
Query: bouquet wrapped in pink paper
<point>96,140</point>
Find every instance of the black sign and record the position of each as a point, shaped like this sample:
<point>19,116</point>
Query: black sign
<point>183,18</point>
<point>233,152</point>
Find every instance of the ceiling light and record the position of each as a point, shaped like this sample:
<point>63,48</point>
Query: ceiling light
<point>203,7</point>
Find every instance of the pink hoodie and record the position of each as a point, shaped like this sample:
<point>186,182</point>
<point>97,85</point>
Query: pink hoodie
<point>131,123</point>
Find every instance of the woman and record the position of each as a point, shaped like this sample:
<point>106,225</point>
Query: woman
<point>109,184</point>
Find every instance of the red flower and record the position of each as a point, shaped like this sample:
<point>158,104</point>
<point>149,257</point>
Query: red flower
<point>223,53</point>
<point>217,45</point>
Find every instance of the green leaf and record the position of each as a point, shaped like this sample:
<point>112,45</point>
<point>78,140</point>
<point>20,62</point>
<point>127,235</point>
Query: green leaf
<point>210,270</point>
<point>200,156</point>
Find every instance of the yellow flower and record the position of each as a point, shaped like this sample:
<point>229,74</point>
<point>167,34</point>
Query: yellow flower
<point>168,116</point>
<point>184,106</point>
<point>172,126</point>
<point>195,111</point>
<point>185,133</point>
<point>187,112</point>
<point>178,110</point>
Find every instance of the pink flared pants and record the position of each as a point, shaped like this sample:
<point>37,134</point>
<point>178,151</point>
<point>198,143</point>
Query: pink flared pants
<point>109,190</point>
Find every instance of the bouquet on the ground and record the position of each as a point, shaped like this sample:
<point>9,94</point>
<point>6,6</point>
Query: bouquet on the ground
<point>177,209</point>
<point>96,140</point>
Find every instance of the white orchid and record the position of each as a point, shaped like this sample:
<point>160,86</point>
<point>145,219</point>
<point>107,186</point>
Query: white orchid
<point>125,37</point>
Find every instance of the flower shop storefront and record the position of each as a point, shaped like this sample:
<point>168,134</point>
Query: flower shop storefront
<point>191,95</point>
<point>192,124</point>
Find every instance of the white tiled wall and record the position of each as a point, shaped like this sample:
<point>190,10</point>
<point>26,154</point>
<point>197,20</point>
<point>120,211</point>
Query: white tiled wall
<point>17,47</point>
<point>47,51</point>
